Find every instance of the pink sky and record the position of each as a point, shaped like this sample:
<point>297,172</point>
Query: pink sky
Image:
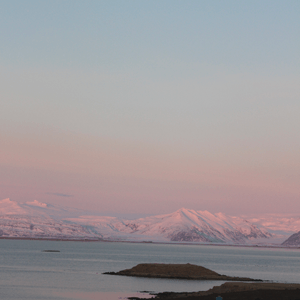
<point>148,106</point>
<point>129,177</point>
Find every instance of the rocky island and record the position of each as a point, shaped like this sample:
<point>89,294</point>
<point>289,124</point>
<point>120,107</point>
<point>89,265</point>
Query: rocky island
<point>228,291</point>
<point>177,271</point>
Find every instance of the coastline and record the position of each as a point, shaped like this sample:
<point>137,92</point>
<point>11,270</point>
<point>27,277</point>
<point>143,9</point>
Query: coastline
<point>237,291</point>
<point>146,242</point>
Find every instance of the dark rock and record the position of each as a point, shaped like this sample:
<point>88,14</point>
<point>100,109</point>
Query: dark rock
<point>293,240</point>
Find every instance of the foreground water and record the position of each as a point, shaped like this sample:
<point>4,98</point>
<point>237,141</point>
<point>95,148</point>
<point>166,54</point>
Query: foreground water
<point>26,272</point>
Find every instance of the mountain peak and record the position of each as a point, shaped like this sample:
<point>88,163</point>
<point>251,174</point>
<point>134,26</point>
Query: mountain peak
<point>185,210</point>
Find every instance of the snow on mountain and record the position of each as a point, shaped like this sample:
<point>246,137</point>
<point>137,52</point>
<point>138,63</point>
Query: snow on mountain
<point>107,227</point>
<point>184,225</point>
<point>36,227</point>
<point>281,226</point>
<point>277,223</point>
<point>36,219</point>
<point>36,208</point>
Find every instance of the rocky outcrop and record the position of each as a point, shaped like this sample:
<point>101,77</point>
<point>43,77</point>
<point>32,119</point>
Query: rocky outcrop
<point>293,240</point>
<point>176,271</point>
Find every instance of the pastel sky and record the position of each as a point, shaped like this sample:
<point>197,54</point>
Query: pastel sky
<point>143,107</point>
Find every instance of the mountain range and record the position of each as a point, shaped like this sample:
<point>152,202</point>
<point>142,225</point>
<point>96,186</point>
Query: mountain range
<point>40,220</point>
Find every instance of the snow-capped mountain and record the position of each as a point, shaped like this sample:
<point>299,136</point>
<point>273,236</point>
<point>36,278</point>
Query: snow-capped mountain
<point>40,220</point>
<point>277,223</point>
<point>36,208</point>
<point>184,225</point>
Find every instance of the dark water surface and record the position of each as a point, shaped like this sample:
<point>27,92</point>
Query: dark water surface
<point>26,272</point>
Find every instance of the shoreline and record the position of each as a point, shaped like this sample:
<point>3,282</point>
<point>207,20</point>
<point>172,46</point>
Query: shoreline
<point>237,291</point>
<point>145,242</point>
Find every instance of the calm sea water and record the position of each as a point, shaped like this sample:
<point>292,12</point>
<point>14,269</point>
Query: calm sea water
<point>76,271</point>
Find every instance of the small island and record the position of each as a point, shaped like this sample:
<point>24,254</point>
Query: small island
<point>177,271</point>
<point>229,290</point>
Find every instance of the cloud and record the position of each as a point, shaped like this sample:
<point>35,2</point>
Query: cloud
<point>60,194</point>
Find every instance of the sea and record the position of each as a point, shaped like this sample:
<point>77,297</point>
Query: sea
<point>76,271</point>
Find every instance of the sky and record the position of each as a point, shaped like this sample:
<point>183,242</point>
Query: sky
<point>143,107</point>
